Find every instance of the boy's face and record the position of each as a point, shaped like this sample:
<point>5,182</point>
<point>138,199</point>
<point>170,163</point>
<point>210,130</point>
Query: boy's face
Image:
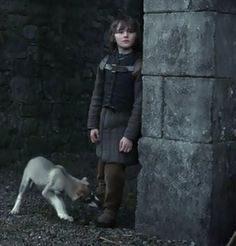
<point>125,37</point>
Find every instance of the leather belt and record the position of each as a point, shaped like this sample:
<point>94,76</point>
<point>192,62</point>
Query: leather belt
<point>118,68</point>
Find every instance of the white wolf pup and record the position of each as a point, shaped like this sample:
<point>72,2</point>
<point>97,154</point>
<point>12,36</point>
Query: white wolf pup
<point>53,179</point>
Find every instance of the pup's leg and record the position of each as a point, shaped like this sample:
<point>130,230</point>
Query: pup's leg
<point>57,203</point>
<point>23,186</point>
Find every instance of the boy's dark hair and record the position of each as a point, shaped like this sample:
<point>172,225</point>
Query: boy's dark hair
<point>125,21</point>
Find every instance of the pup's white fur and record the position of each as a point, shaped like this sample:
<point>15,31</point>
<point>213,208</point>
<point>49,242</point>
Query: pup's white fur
<point>53,179</point>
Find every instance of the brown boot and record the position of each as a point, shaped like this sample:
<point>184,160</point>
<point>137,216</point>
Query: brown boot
<point>107,218</point>
<point>114,179</point>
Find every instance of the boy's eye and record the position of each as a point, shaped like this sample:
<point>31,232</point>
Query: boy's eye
<point>129,30</point>
<point>120,31</point>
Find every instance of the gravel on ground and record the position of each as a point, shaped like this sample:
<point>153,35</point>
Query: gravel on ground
<point>37,223</point>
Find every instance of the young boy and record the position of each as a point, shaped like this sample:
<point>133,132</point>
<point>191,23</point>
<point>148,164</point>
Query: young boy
<point>114,118</point>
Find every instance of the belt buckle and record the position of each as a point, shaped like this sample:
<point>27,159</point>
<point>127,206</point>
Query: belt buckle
<point>113,67</point>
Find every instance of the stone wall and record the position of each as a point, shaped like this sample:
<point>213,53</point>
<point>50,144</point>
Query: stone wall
<point>49,51</point>
<point>186,188</point>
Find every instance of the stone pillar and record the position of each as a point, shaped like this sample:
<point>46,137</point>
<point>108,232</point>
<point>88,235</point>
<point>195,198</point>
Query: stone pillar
<point>188,149</point>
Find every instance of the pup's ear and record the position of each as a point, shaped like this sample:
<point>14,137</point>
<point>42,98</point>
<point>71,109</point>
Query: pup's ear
<point>84,180</point>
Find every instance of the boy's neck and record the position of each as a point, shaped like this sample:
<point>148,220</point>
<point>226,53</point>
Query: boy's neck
<point>124,51</point>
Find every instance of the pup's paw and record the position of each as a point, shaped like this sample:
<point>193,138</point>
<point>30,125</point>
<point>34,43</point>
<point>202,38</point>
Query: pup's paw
<point>70,218</point>
<point>14,211</point>
<point>66,217</point>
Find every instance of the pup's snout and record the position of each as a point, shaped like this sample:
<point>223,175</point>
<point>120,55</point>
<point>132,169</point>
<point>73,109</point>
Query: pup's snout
<point>93,200</point>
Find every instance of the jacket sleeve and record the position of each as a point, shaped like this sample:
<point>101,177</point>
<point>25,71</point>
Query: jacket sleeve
<point>133,128</point>
<point>96,101</point>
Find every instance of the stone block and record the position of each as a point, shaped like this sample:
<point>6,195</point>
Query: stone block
<point>187,111</point>
<point>30,32</point>
<point>36,110</point>
<point>26,67</point>
<point>4,95</point>
<point>163,5</point>
<point>14,7</point>
<point>228,6</point>
<point>199,109</point>
<point>37,145</point>
<point>152,106</point>
<point>179,44</point>
<point>224,110</point>
<point>25,89</point>
<point>5,139</point>
<point>14,46</point>
<point>180,190</point>
<point>225,45</point>
<point>16,22</point>
<point>175,185</point>
<point>8,157</point>
<point>223,193</point>
<point>29,127</point>
<point>54,88</point>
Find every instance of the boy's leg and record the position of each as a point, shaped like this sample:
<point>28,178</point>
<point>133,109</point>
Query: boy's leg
<point>114,179</point>
<point>100,189</point>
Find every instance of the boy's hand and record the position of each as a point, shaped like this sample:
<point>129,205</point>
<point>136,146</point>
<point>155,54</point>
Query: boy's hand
<point>126,145</point>
<point>94,135</point>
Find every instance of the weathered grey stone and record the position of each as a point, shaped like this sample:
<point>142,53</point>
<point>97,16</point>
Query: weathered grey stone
<point>26,67</point>
<point>3,80</point>
<point>29,127</point>
<point>152,106</point>
<point>53,89</point>
<point>16,22</point>
<point>176,44</point>
<point>228,6</point>
<point>24,89</point>
<point>225,45</point>
<point>224,110</point>
<point>223,193</point>
<point>37,9</point>
<point>7,157</point>
<point>29,110</point>
<point>37,145</point>
<point>199,109</point>
<point>30,31</point>
<point>163,5</point>
<point>192,167</point>
<point>3,20</point>
<point>14,46</point>
<point>4,94</point>
<point>37,109</point>
<point>14,6</point>
<point>5,139</point>
<point>175,185</point>
<point>187,111</point>
<point>181,188</point>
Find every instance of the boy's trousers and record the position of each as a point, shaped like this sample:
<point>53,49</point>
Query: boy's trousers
<point>114,177</point>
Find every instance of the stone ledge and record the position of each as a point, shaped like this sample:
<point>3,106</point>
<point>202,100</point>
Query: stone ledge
<point>188,5</point>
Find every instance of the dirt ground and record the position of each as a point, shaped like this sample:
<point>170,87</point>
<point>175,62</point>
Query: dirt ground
<point>37,223</point>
